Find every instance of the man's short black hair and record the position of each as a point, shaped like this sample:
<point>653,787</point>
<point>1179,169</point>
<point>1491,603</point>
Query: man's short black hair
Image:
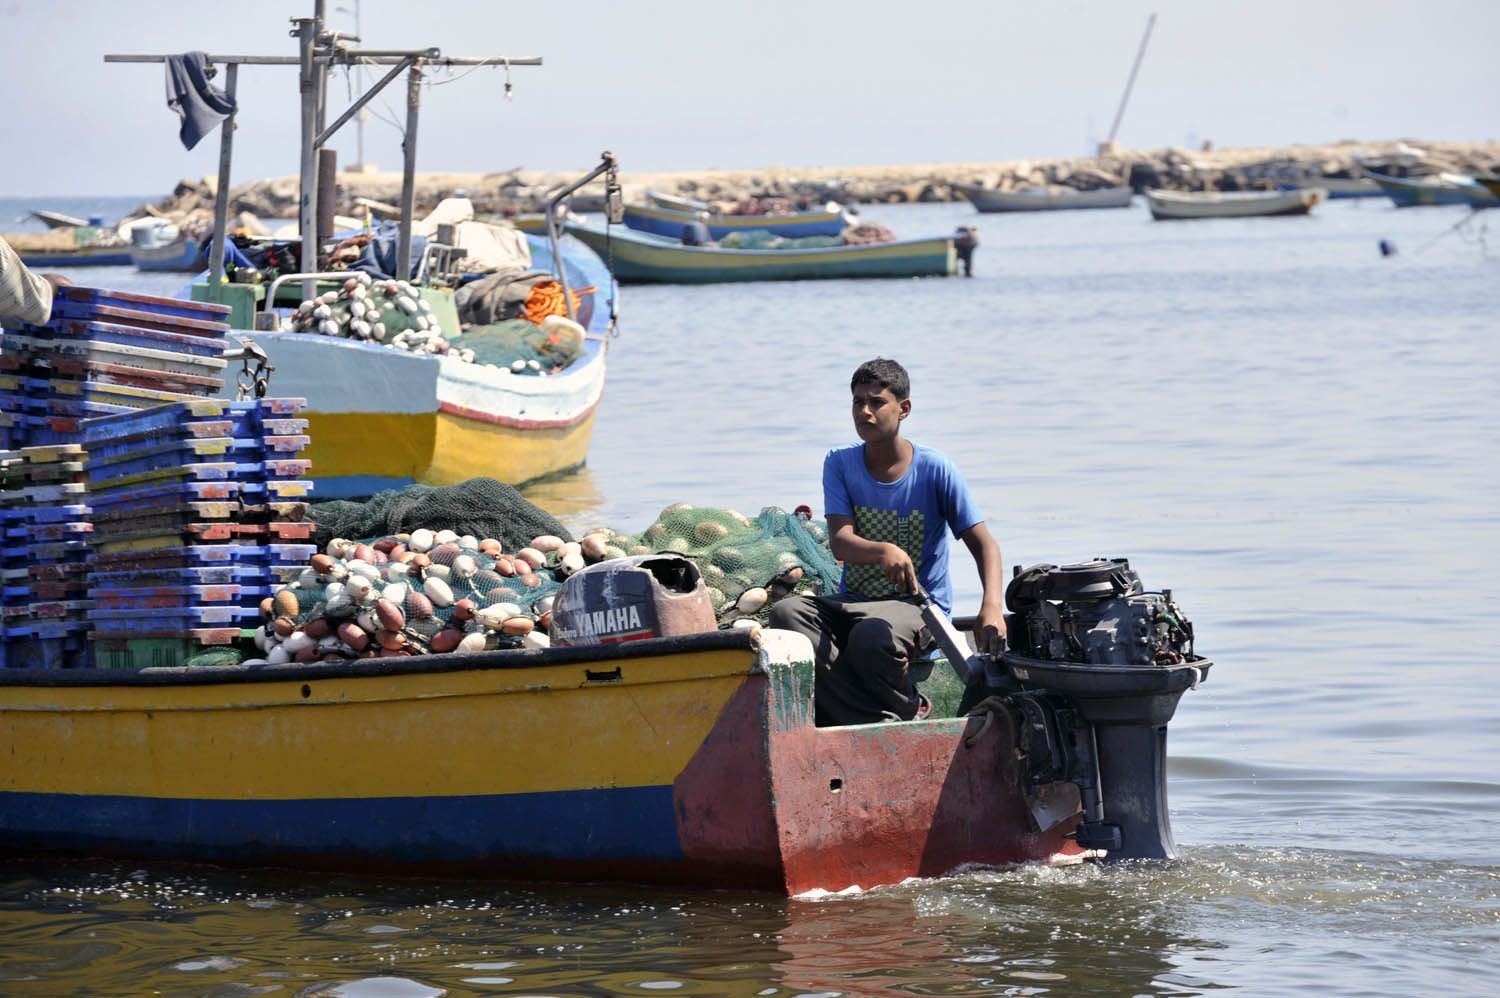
<point>883,372</point>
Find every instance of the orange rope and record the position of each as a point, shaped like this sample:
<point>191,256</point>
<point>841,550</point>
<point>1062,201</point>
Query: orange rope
<point>546,298</point>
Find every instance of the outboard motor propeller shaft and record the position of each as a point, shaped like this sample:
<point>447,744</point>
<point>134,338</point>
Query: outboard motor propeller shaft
<point>1102,664</point>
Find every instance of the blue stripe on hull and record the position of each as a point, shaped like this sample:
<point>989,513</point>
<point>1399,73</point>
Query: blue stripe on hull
<point>629,824</point>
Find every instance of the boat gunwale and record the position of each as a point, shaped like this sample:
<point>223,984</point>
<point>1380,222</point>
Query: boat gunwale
<point>736,639</point>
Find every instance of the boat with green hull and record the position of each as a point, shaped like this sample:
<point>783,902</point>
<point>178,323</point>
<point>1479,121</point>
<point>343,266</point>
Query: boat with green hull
<point>644,257</point>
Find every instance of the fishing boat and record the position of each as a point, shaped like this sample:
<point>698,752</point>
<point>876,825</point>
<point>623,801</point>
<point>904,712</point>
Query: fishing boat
<point>988,199</point>
<point>1171,205</point>
<point>157,244</point>
<point>381,418</point>
<point>181,254</point>
<point>682,759</point>
<point>58,220</point>
<point>665,215</point>
<point>645,257</point>
<point>1439,188</point>
<point>70,246</point>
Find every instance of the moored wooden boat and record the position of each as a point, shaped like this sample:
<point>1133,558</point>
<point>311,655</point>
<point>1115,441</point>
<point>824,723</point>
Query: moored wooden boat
<point>1171,205</point>
<point>522,765</point>
<point>641,256</point>
<point>179,255</point>
<point>665,216</point>
<point>1441,188</point>
<point>70,246</point>
<point>1041,199</point>
<point>381,418</point>
<point>57,220</point>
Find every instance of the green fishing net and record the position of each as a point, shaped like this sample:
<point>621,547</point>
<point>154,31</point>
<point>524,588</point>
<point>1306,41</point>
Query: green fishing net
<point>503,344</point>
<point>482,507</point>
<point>761,239</point>
<point>737,554</point>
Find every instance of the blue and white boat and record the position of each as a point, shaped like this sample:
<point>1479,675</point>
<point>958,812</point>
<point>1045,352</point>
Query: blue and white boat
<point>665,215</point>
<point>1440,188</point>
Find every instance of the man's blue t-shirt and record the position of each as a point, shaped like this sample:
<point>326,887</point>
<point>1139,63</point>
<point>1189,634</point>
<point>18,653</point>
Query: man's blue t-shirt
<point>910,512</point>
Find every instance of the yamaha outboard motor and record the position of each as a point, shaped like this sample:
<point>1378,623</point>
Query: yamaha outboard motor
<point>1101,664</point>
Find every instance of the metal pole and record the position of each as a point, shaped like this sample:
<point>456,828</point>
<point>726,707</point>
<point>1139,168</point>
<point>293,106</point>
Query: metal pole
<point>1150,23</point>
<point>307,217</point>
<point>221,196</point>
<point>608,163</point>
<point>409,171</point>
<point>322,76</point>
<point>359,127</point>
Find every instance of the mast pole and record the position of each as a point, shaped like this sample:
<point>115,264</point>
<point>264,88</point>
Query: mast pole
<point>409,170</point>
<point>1129,83</point>
<point>221,195</point>
<point>307,216</point>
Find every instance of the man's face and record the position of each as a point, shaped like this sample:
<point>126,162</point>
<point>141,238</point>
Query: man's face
<point>877,412</point>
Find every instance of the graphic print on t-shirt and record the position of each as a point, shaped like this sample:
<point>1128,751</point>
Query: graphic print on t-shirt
<point>888,527</point>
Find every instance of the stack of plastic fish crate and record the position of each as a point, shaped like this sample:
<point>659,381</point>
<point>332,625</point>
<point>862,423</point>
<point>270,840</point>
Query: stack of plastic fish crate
<point>105,352</point>
<point>44,557</point>
<point>199,513</point>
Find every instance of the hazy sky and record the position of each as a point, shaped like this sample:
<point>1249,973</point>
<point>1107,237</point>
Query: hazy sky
<point>683,85</point>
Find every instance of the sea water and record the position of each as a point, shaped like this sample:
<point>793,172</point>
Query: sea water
<point>1296,434</point>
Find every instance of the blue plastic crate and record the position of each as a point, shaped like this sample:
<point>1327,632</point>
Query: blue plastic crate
<point>59,514</point>
<point>207,471</point>
<point>70,651</point>
<point>188,556</point>
<point>275,490</point>
<point>280,552</point>
<point>169,575</point>
<point>56,551</point>
<point>128,335</point>
<point>167,494</point>
<point>176,618</point>
<point>75,297</point>
<point>272,468</point>
<point>171,419</point>
<point>107,451</point>
<point>185,594</point>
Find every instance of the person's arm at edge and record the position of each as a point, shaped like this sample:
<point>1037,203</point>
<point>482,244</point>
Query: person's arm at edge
<point>847,546</point>
<point>989,626</point>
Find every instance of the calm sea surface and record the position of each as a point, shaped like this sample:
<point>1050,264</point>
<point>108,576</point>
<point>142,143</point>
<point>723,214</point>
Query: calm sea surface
<point>1297,435</point>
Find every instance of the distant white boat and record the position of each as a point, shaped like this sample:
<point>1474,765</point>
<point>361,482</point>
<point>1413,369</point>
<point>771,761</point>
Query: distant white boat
<point>1041,199</point>
<point>57,220</point>
<point>1238,204</point>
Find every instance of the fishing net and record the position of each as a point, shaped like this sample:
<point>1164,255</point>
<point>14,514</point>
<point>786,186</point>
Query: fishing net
<point>762,239</point>
<point>746,564</point>
<point>518,344</point>
<point>404,590</point>
<point>482,507</point>
<point>218,655</point>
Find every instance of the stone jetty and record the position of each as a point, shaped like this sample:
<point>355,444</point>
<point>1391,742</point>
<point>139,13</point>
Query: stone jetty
<point>521,190</point>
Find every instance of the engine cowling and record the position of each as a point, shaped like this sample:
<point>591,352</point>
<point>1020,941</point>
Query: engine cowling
<point>1101,664</point>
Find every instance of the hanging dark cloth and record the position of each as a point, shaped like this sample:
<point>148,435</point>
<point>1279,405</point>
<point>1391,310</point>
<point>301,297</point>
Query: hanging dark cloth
<point>200,104</point>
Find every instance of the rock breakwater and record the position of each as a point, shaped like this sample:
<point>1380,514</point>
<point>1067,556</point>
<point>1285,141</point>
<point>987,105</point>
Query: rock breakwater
<point>520,191</point>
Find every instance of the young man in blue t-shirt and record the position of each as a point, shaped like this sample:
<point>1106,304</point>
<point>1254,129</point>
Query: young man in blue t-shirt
<point>890,504</point>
